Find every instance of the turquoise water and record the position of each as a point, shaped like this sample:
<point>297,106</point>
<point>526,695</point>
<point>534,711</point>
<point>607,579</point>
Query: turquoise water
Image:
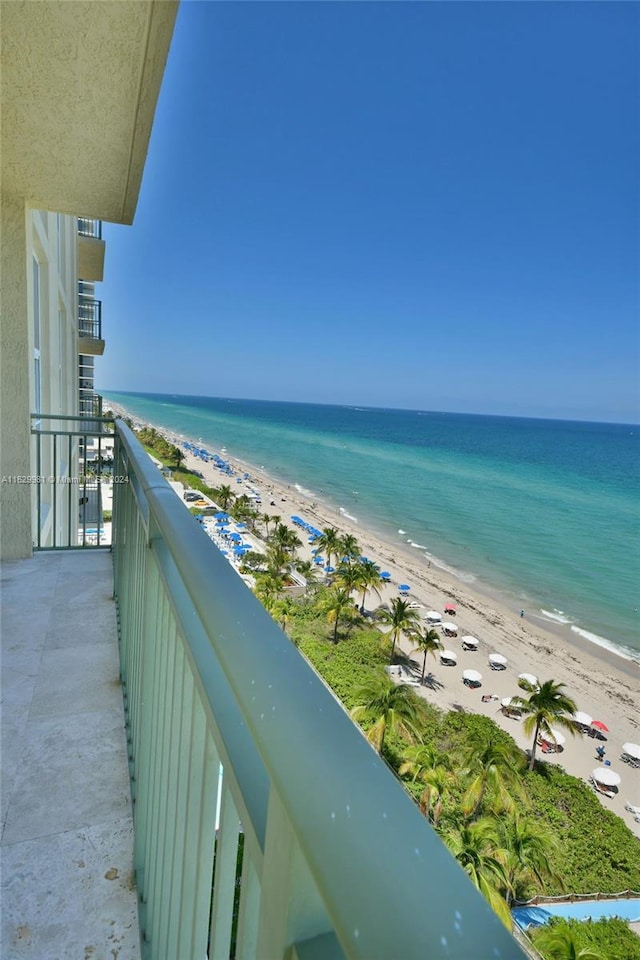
<point>535,916</point>
<point>545,511</point>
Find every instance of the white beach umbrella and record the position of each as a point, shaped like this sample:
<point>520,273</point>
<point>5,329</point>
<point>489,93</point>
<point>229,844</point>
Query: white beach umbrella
<point>606,776</point>
<point>556,737</point>
<point>469,642</point>
<point>449,655</point>
<point>472,676</point>
<point>498,660</point>
<point>632,750</point>
<point>506,701</point>
<point>583,718</point>
<point>451,627</point>
<point>528,678</point>
<point>433,615</point>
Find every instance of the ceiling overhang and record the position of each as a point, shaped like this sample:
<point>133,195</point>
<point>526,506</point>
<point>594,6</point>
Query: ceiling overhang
<point>80,83</point>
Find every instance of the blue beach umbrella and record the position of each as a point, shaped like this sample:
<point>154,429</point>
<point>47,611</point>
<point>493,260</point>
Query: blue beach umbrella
<point>385,575</point>
<point>221,515</point>
<point>404,588</point>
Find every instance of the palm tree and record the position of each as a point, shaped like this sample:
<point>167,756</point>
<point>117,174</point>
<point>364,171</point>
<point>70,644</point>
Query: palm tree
<point>401,618</point>
<point>286,538</point>
<point>391,707</point>
<point>329,541</point>
<point>367,578</point>
<point>560,942</point>
<point>280,610</point>
<point>177,457</point>
<point>347,575</point>
<point>426,765</point>
<point>266,519</point>
<point>224,497</point>
<point>308,571</point>
<point>476,847</point>
<point>428,641</point>
<point>493,768</point>
<point>336,604</point>
<point>529,846</point>
<point>546,706</point>
<point>350,547</point>
<point>268,589</point>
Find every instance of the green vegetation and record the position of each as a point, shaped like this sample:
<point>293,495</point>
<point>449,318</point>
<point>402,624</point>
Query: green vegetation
<point>518,828</point>
<point>576,940</point>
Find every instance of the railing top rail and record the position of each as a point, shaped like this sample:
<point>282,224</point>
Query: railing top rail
<point>72,417</point>
<point>389,885</point>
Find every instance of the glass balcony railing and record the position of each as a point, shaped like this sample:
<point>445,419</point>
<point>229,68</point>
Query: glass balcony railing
<point>73,479</point>
<point>265,824</point>
<point>89,317</point>
<point>90,228</point>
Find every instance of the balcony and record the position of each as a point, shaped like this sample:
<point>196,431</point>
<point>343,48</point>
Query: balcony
<point>91,249</point>
<point>265,826</point>
<point>90,340</point>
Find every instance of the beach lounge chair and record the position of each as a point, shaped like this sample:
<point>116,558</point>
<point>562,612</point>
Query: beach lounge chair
<point>632,809</point>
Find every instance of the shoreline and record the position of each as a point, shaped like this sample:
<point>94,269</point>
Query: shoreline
<point>603,683</point>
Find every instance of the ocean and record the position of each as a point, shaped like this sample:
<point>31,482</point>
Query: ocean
<point>545,513</point>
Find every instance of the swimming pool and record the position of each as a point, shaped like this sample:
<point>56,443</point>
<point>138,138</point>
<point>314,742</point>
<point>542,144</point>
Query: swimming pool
<point>536,916</point>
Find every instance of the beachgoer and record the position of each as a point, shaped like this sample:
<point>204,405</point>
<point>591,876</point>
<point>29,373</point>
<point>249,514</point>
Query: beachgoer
<point>522,613</point>
<point>601,752</point>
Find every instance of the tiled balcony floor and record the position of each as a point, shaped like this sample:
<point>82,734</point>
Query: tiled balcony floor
<point>67,835</point>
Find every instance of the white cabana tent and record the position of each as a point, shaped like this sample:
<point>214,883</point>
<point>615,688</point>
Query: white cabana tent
<point>450,628</point>
<point>448,656</point>
<point>606,776</point>
<point>471,676</point>
<point>469,643</point>
<point>631,750</point>
<point>528,678</point>
<point>433,618</point>
<point>554,736</point>
<point>497,661</point>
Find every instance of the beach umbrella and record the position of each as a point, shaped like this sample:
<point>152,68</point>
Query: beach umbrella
<point>471,676</point>
<point>632,750</point>
<point>497,660</point>
<point>451,627</point>
<point>606,776</point>
<point>470,642</point>
<point>449,606</point>
<point>449,655</point>
<point>583,718</point>
<point>599,725</point>
<point>329,569</point>
<point>404,588</point>
<point>528,678</point>
<point>385,575</point>
<point>554,736</point>
<point>433,615</point>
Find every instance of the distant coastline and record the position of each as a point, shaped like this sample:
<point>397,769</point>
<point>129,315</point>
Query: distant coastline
<point>603,683</point>
<point>376,508</point>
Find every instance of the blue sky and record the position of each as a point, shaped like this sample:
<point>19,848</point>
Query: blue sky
<point>421,205</point>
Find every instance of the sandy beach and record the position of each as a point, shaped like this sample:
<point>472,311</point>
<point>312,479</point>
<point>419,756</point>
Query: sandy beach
<point>605,686</point>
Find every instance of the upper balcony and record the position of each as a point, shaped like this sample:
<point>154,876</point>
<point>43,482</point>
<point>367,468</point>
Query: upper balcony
<point>90,326</point>
<point>265,825</point>
<point>91,249</point>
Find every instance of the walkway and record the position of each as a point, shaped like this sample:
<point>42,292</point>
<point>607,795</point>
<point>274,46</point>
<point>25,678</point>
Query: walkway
<point>67,835</point>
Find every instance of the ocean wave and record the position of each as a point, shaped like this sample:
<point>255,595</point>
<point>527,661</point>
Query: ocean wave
<point>349,516</point>
<point>418,546</point>
<point>558,616</point>
<point>303,490</point>
<point>402,531</point>
<point>618,649</point>
<point>465,576</point>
